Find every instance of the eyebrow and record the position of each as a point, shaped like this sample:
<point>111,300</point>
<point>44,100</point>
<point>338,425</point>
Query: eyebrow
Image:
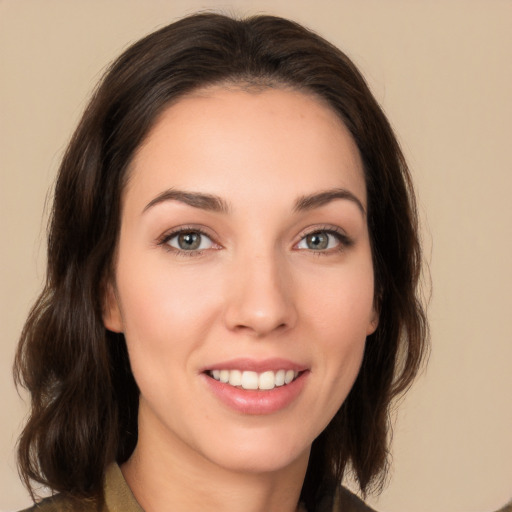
<point>195,199</point>
<point>319,199</point>
<point>217,204</point>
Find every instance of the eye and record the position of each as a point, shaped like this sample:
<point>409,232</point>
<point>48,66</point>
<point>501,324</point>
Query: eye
<point>321,241</point>
<point>189,241</point>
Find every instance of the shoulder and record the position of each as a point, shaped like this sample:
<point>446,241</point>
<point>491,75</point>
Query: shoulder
<point>59,503</point>
<point>346,501</point>
<point>506,508</point>
<point>117,496</point>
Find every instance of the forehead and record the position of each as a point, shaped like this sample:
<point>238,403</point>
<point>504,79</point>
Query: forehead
<point>221,139</point>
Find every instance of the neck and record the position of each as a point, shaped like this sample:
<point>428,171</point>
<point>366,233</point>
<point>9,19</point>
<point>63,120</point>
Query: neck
<point>171,476</point>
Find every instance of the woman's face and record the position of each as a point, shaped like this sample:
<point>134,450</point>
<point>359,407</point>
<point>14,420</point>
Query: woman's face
<point>243,257</point>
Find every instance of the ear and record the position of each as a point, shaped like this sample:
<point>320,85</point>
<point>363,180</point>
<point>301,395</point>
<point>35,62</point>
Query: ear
<point>374,321</point>
<point>112,318</point>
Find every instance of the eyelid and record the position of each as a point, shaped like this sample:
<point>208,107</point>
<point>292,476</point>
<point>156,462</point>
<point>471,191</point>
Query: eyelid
<point>189,228</point>
<point>345,240</point>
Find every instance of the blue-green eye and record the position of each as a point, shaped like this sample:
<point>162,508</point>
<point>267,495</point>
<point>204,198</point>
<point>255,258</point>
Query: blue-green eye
<point>320,241</point>
<point>190,241</point>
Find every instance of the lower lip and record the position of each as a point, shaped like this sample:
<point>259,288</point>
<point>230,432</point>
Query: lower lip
<point>255,401</point>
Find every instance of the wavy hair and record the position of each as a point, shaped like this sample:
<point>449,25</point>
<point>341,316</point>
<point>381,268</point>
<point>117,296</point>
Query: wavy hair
<point>84,400</point>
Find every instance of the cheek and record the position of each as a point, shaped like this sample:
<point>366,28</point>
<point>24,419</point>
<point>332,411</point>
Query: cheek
<point>159,298</point>
<point>165,314</point>
<point>342,301</point>
<point>341,312</point>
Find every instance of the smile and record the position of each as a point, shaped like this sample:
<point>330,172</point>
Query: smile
<point>250,380</point>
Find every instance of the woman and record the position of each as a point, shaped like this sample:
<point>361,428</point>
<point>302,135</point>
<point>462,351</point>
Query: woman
<point>231,301</point>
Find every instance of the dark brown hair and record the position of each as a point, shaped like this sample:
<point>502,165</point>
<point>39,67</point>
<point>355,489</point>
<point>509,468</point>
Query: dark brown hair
<point>83,395</point>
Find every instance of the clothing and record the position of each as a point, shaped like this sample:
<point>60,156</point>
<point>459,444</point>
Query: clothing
<point>119,498</point>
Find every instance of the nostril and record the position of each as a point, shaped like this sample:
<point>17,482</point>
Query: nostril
<point>258,304</point>
<point>260,329</point>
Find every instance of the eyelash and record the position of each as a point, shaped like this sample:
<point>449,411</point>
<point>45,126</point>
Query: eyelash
<point>344,241</point>
<point>164,241</point>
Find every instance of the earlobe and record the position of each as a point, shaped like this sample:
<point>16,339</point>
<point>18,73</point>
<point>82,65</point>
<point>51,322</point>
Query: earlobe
<point>374,322</point>
<point>112,319</point>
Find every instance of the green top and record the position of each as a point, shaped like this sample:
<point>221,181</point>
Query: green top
<point>119,498</point>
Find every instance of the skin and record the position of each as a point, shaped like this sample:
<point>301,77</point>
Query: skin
<point>257,288</point>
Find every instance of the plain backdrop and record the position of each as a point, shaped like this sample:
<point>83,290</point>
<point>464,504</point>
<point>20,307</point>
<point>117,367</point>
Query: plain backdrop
<point>442,72</point>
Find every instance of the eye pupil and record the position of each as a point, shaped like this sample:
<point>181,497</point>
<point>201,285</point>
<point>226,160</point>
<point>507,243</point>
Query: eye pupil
<point>189,241</point>
<point>317,241</point>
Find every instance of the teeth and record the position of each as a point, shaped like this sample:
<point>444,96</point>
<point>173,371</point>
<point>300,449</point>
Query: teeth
<point>267,380</point>
<point>253,380</point>
<point>235,378</point>
<point>289,376</point>
<point>249,380</point>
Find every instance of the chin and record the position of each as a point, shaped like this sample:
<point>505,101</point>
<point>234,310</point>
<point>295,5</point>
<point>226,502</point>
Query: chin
<point>259,455</point>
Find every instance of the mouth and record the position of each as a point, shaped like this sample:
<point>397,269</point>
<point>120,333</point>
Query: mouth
<point>250,380</point>
<point>257,387</point>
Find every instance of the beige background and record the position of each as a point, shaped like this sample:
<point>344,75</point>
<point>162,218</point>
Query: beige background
<point>442,71</point>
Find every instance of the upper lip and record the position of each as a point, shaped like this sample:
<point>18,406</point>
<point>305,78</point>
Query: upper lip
<point>254,365</point>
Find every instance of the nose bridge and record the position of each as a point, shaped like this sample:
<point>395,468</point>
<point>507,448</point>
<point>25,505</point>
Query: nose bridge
<point>261,298</point>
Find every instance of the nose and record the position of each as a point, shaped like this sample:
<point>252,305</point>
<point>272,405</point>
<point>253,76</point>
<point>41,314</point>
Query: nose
<point>261,299</point>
